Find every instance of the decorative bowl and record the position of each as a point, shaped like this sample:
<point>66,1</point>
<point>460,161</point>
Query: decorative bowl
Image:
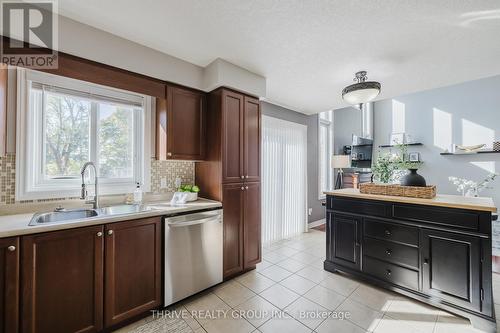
<point>470,148</point>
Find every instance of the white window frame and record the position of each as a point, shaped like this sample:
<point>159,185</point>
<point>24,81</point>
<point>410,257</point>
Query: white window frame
<point>29,185</point>
<point>328,124</point>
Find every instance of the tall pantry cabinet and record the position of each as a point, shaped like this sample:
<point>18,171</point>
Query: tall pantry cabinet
<point>231,174</point>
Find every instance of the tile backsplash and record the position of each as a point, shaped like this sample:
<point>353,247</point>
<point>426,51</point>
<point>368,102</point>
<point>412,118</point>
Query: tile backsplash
<point>168,170</point>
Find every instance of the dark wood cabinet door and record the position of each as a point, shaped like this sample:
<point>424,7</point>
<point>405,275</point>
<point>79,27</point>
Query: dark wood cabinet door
<point>252,225</point>
<point>232,137</point>
<point>185,125</point>
<point>251,140</point>
<point>62,281</point>
<point>451,265</point>
<point>133,268</point>
<point>9,285</point>
<point>344,247</point>
<point>233,200</point>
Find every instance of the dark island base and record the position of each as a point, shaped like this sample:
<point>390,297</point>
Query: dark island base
<point>478,322</point>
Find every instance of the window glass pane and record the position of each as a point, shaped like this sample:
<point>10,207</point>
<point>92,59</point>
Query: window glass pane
<point>66,135</point>
<point>323,154</point>
<point>116,141</point>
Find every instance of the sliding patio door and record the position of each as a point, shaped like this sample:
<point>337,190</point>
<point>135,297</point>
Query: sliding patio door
<point>284,179</point>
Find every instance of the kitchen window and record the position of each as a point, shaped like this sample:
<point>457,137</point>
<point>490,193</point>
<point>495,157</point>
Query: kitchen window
<point>325,146</point>
<point>63,123</point>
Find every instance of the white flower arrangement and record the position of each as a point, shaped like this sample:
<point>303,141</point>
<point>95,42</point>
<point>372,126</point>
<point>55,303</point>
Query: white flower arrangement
<point>471,188</point>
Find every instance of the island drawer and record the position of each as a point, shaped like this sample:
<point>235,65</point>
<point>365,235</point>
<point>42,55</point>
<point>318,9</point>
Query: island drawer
<point>390,231</point>
<point>443,216</point>
<point>392,273</point>
<point>364,207</point>
<point>391,252</point>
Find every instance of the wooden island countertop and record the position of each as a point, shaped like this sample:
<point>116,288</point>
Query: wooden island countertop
<point>441,200</point>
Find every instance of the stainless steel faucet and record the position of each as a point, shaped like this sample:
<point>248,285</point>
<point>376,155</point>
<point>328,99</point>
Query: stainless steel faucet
<point>95,201</point>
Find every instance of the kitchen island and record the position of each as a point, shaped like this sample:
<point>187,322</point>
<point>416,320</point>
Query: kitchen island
<point>437,251</point>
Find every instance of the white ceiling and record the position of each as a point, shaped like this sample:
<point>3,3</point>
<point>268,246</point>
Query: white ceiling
<point>309,49</point>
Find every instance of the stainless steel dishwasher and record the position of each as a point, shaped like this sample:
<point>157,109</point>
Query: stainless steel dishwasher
<point>193,253</point>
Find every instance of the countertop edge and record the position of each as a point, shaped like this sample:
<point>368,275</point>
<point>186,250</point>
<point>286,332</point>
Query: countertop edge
<point>415,201</point>
<point>24,229</point>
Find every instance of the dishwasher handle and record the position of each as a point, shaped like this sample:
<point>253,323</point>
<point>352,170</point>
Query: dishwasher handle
<point>215,218</point>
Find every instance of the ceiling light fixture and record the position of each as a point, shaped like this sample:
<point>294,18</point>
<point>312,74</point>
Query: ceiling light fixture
<point>362,91</point>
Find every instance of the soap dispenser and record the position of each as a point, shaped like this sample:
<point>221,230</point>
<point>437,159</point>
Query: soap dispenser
<point>138,194</point>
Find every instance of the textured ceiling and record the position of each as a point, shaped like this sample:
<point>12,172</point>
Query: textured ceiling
<point>309,49</point>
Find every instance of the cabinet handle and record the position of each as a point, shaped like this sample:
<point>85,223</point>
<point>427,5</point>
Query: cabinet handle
<point>242,188</point>
<point>11,248</point>
<point>242,177</point>
<point>389,272</point>
<point>388,251</point>
<point>387,233</point>
<point>426,261</point>
<point>110,232</point>
<point>169,154</point>
<point>246,187</point>
<point>99,234</point>
<point>246,176</point>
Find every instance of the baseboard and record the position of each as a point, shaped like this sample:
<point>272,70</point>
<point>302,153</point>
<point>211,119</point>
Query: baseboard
<point>316,223</point>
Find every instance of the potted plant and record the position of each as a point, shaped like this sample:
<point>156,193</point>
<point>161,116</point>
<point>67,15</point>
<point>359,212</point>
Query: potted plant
<point>190,190</point>
<point>412,178</point>
<point>384,167</point>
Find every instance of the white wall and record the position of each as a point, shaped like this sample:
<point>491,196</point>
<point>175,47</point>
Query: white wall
<point>467,113</point>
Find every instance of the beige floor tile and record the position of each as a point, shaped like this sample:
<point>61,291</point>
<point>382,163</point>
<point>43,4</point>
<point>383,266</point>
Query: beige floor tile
<point>207,302</point>
<point>279,296</point>
<point>414,313</point>
<point>373,297</point>
<point>340,284</point>
<point>313,274</point>
<point>234,294</point>
<point>298,284</point>
<point>331,325</point>
<point>257,310</point>
<point>304,257</point>
<point>391,325</point>
<point>291,265</point>
<point>286,251</point>
<point>276,273</point>
<point>452,324</point>
<point>263,265</point>
<point>255,281</point>
<point>274,257</point>
<point>361,315</point>
<point>230,323</point>
<point>307,312</point>
<point>324,297</point>
<point>318,263</point>
<point>284,325</point>
<point>317,251</point>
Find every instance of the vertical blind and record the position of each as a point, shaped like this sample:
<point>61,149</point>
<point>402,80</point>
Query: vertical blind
<point>284,179</point>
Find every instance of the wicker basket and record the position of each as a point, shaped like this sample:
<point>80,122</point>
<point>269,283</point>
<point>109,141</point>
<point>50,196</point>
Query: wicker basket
<point>424,192</point>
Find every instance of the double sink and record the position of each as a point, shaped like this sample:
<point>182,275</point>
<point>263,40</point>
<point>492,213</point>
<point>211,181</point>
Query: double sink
<point>63,215</point>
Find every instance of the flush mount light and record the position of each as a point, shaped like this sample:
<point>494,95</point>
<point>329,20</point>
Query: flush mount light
<point>362,91</point>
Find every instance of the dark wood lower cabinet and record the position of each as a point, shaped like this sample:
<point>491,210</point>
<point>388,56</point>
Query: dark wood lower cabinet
<point>9,285</point>
<point>437,255</point>
<point>233,228</point>
<point>251,226</point>
<point>133,269</point>
<point>62,281</point>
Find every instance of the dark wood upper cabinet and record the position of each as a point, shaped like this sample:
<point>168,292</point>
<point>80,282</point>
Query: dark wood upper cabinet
<point>251,139</point>
<point>9,285</point>
<point>62,281</point>
<point>181,125</point>
<point>133,268</point>
<point>232,137</point>
<point>233,228</point>
<point>251,225</point>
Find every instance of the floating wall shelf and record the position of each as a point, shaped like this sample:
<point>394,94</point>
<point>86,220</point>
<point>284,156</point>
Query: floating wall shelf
<point>408,144</point>
<point>474,152</point>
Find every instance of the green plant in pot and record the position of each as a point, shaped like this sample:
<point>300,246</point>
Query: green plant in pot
<point>384,167</point>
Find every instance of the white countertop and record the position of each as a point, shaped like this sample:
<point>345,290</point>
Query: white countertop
<point>441,200</point>
<point>16,225</point>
